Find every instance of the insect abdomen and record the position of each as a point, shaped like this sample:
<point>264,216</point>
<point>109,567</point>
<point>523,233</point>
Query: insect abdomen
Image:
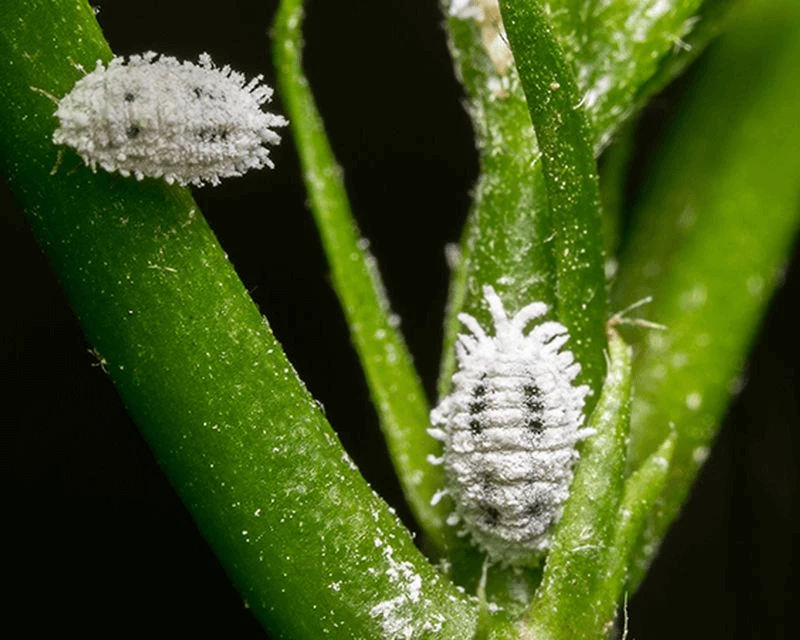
<point>159,117</point>
<point>510,427</point>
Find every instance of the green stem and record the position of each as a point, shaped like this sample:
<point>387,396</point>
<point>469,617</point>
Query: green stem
<point>643,490</point>
<point>506,240</point>
<point>397,393</point>
<point>310,546</point>
<point>574,217</point>
<point>575,598</point>
<point>712,231</point>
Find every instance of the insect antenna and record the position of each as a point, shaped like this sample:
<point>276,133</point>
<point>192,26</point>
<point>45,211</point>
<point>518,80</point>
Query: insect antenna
<point>619,318</point>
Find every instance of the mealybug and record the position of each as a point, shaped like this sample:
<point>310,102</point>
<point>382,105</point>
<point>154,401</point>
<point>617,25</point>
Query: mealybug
<point>162,118</point>
<point>509,427</point>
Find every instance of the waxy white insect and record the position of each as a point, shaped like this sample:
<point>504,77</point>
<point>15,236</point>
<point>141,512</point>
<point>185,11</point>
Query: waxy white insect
<point>509,429</point>
<point>156,116</point>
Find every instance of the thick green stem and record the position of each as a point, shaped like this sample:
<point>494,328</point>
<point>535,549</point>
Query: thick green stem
<point>713,228</point>
<point>312,549</point>
<point>573,218</point>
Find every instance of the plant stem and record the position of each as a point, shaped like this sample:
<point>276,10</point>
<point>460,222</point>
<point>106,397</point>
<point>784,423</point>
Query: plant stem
<point>310,546</point>
<point>397,393</point>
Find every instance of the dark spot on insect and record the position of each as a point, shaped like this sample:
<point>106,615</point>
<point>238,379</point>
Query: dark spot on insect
<point>207,134</point>
<point>479,391</point>
<point>534,424</point>
<point>475,427</point>
<point>533,403</point>
<point>210,134</point>
<point>533,398</point>
<point>487,483</point>
<point>129,97</point>
<point>535,509</point>
<point>479,406</point>
<point>199,93</point>
<point>133,131</point>
<point>491,515</point>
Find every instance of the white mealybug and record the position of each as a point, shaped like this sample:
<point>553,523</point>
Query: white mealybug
<point>509,429</point>
<point>162,118</point>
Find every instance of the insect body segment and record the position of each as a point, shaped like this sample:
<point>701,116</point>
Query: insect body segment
<point>160,117</point>
<point>509,429</point>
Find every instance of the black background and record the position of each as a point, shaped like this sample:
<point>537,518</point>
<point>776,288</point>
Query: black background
<point>96,540</point>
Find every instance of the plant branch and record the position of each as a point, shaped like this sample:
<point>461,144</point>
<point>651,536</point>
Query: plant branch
<point>712,231</point>
<point>575,599</point>
<point>573,219</point>
<point>397,393</point>
<point>235,430</point>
